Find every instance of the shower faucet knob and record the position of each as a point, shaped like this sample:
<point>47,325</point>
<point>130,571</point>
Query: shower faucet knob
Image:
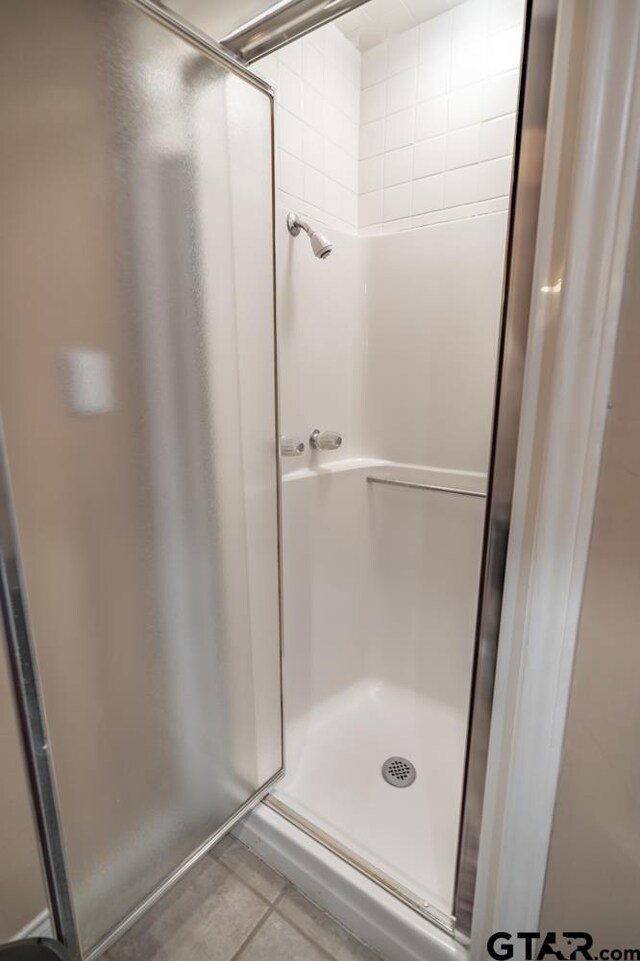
<point>325,440</point>
<point>291,446</point>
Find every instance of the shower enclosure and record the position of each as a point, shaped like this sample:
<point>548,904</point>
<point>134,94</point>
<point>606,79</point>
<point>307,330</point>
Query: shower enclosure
<point>160,548</point>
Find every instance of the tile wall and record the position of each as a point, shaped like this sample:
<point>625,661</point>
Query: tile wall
<point>317,82</point>
<point>437,116</point>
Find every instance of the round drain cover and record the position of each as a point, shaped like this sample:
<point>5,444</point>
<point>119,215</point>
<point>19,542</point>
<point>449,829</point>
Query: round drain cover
<point>398,772</point>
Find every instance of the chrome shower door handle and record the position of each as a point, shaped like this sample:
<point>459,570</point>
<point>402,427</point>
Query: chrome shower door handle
<point>325,440</point>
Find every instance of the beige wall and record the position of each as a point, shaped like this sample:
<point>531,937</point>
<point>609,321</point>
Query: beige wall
<point>593,878</point>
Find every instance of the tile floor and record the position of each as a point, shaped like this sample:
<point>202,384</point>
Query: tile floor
<point>233,907</point>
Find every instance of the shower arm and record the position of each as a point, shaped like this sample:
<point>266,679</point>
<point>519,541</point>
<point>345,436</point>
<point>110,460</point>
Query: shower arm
<point>295,225</point>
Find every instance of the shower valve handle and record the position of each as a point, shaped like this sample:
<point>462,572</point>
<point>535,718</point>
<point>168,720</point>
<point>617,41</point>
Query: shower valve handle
<point>325,440</point>
<point>291,446</point>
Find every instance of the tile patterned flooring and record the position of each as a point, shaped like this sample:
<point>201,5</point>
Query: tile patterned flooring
<point>233,907</point>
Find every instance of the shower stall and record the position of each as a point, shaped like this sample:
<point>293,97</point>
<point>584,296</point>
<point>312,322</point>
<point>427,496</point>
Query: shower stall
<point>256,484</point>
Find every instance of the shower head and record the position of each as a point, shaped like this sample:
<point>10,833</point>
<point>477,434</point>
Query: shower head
<point>320,245</point>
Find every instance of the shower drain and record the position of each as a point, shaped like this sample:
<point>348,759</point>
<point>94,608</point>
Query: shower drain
<point>398,772</point>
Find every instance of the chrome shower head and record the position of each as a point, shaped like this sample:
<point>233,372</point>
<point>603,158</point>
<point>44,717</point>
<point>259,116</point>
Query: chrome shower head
<point>320,245</point>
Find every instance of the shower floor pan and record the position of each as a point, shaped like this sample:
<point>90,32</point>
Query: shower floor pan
<point>334,781</point>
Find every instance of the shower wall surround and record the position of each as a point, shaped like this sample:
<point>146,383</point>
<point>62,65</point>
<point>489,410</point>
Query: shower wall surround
<point>317,83</point>
<point>415,131</point>
<point>437,118</point>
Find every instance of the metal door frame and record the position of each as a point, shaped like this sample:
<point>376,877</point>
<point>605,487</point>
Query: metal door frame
<point>535,88</point>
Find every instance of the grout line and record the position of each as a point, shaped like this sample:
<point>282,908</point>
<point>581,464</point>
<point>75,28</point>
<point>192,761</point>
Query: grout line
<point>251,935</point>
<point>244,881</point>
<point>329,917</point>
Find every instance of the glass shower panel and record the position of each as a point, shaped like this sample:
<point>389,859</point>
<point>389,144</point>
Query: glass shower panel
<point>137,389</point>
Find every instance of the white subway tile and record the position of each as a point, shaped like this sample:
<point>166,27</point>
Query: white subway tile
<point>461,186</point>
<point>339,129</point>
<point>465,107</point>
<point>428,157</point>
<point>431,118</point>
<point>401,91</point>
<point>312,108</point>
<point>500,95</point>
<point>427,194</point>
<point>313,147</point>
<point>291,174</point>
<point>463,147</point>
<point>335,88</point>
<point>397,166</point>
<point>374,65</point>
<point>338,200</point>
<point>289,132</point>
<point>433,77</point>
<point>351,139</point>
<point>370,174</point>
<point>370,209</point>
<point>372,138</point>
<point>470,21</point>
<point>494,178</point>
<point>314,187</point>
<point>467,63</point>
<point>291,56</point>
<point>289,89</point>
<point>396,202</point>
<point>403,51</point>
<point>317,37</point>
<point>373,103</point>
<point>267,68</point>
<point>399,129</point>
<point>504,50</point>
<point>504,14</point>
<point>393,226</point>
<point>496,137</point>
<point>312,65</point>
<point>435,37</point>
<point>341,167</point>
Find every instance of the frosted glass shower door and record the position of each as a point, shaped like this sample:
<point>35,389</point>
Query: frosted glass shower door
<point>138,400</point>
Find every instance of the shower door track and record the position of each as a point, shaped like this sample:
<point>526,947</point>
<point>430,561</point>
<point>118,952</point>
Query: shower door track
<point>443,921</point>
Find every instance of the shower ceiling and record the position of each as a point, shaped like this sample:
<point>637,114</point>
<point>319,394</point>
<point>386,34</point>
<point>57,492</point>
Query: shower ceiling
<point>377,20</point>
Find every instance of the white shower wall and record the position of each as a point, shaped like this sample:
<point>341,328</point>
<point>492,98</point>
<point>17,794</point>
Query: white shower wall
<point>437,117</point>
<point>432,321</point>
<point>317,84</point>
<point>392,341</point>
<point>415,131</point>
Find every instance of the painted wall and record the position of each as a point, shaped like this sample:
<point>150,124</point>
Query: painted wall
<point>438,117</point>
<point>593,877</point>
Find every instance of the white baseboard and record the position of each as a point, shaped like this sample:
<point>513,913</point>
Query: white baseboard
<point>373,915</point>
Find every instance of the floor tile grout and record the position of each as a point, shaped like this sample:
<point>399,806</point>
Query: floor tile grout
<point>253,890</point>
<point>307,936</point>
<point>315,943</point>
<point>251,934</point>
<point>273,907</point>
